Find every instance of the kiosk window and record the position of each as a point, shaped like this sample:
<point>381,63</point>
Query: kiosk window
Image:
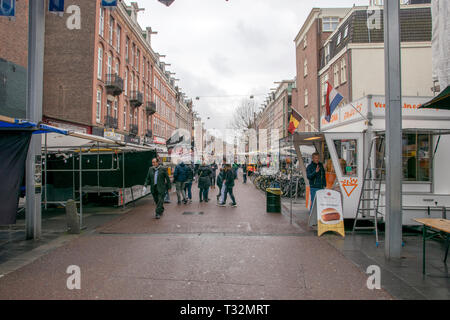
<point>347,153</point>
<point>416,157</point>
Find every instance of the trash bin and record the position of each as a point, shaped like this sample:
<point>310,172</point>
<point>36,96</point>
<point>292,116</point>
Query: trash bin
<point>273,200</point>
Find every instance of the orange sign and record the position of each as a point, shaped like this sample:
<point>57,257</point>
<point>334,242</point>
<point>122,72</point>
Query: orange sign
<point>349,186</point>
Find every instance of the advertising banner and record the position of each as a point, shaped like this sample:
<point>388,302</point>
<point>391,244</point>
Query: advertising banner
<point>327,207</point>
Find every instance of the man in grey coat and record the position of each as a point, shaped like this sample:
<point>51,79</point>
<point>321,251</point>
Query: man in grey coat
<point>159,181</point>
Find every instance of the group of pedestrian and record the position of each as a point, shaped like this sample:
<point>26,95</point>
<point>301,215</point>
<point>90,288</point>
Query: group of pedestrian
<point>184,177</point>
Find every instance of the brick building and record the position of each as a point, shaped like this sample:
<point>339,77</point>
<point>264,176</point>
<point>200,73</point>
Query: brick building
<point>319,25</point>
<point>13,62</point>
<point>105,78</point>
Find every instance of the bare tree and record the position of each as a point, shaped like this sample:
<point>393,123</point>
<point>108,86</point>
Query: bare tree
<point>244,115</point>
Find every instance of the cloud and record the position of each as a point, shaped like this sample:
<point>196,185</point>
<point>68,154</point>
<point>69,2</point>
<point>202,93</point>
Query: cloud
<point>229,48</point>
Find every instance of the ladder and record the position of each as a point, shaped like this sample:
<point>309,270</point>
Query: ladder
<point>369,199</point>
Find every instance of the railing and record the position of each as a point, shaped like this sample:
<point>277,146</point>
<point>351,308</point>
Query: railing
<point>111,122</point>
<point>136,98</point>
<point>150,107</point>
<point>134,129</point>
<point>114,84</point>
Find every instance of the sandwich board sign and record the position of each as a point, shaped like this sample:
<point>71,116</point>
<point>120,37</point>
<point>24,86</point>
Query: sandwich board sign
<point>7,8</point>
<point>327,211</point>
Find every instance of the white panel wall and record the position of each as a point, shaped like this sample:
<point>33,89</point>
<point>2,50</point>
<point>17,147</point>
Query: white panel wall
<point>441,169</point>
<point>368,72</point>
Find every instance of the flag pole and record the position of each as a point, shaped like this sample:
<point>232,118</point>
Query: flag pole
<point>292,172</point>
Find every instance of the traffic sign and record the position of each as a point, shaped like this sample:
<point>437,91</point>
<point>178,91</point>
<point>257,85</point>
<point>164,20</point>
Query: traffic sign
<point>167,2</point>
<point>56,5</point>
<point>109,3</point>
<point>7,8</point>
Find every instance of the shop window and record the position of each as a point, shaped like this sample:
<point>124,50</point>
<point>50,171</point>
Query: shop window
<point>347,153</point>
<point>416,157</point>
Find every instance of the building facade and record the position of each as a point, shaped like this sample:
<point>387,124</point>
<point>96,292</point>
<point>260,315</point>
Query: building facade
<point>105,78</point>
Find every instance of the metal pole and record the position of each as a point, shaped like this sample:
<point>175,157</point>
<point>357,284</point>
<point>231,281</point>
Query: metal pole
<point>393,118</point>
<point>292,173</point>
<point>123,179</point>
<point>81,192</point>
<point>45,171</point>
<point>36,31</point>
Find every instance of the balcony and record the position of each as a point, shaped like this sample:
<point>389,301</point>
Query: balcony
<point>150,108</point>
<point>134,129</point>
<point>114,84</point>
<point>111,122</point>
<point>136,98</point>
<point>149,134</point>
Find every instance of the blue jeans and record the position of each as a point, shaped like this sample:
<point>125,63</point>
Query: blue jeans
<point>188,189</point>
<point>204,194</point>
<point>313,195</point>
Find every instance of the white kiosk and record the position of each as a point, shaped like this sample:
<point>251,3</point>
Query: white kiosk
<point>347,138</point>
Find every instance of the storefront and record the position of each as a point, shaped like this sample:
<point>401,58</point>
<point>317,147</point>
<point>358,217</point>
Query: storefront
<point>345,142</point>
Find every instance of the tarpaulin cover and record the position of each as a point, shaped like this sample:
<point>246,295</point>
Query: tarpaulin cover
<point>136,168</point>
<point>13,153</point>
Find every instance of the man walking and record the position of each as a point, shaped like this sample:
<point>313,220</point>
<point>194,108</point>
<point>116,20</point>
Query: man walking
<point>229,184</point>
<point>214,172</point>
<point>316,176</point>
<point>159,181</point>
<point>204,181</point>
<point>180,178</point>
<point>244,173</point>
<point>188,184</point>
<point>235,169</point>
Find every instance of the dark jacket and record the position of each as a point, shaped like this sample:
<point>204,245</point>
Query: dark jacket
<point>220,179</point>
<point>163,182</point>
<point>204,174</point>
<point>229,178</point>
<point>181,173</point>
<point>189,173</point>
<point>316,179</point>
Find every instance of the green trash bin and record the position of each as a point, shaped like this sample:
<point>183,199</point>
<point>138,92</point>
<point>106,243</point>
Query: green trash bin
<point>273,200</point>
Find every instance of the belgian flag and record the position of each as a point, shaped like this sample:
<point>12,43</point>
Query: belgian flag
<point>294,121</point>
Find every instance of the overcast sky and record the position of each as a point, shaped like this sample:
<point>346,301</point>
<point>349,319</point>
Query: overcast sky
<point>228,48</point>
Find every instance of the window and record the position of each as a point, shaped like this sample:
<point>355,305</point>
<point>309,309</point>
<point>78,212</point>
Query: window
<point>336,75</point>
<point>108,107</point>
<point>346,32</point>
<point>125,116</point>
<point>306,97</point>
<point>346,150</point>
<point>118,38</point>
<point>111,30</point>
<point>100,63</point>
<point>324,88</point>
<point>126,82</point>
<point>99,105</point>
<point>117,69</point>
<point>132,81</point>
<point>327,53</point>
<point>338,39</point>
<point>102,22</point>
<point>127,45</point>
<point>133,48</point>
<point>343,71</point>
<point>416,157</point>
<point>305,68</point>
<point>109,64</point>
<point>137,60</point>
<point>116,107</point>
<point>329,24</point>
<point>131,117</point>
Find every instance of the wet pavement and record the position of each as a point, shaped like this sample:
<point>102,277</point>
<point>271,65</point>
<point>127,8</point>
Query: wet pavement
<point>224,253</point>
<point>402,278</point>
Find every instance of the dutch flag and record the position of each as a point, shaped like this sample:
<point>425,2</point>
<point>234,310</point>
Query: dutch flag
<point>333,100</point>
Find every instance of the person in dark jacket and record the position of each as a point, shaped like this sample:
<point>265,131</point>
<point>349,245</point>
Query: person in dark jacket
<point>244,173</point>
<point>204,181</point>
<point>221,185</point>
<point>159,181</point>
<point>214,174</point>
<point>180,178</point>
<point>316,176</point>
<point>229,178</point>
<point>188,184</point>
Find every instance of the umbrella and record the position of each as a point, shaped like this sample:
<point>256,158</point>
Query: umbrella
<point>442,101</point>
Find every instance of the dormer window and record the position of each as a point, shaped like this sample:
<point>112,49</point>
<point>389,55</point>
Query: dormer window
<point>329,24</point>
<point>338,39</point>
